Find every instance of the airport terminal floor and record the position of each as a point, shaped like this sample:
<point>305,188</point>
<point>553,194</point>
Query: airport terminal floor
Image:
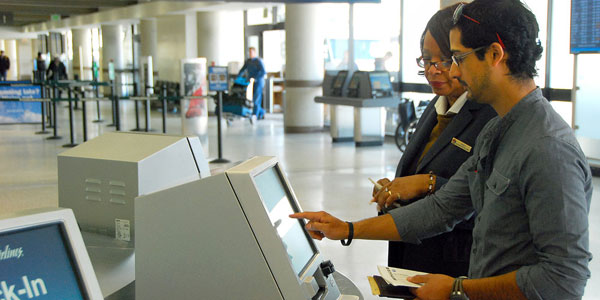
<point>324,176</point>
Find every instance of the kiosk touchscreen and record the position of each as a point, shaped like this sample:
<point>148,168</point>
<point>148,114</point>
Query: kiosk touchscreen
<point>381,86</point>
<point>339,82</point>
<point>42,256</point>
<point>229,236</point>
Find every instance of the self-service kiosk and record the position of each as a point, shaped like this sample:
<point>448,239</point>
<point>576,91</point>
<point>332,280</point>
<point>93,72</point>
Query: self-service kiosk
<point>229,236</point>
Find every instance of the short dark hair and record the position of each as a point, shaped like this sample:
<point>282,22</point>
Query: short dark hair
<point>508,20</point>
<point>439,26</point>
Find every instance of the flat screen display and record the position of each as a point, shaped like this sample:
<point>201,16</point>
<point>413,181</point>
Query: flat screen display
<point>585,26</point>
<point>380,81</point>
<point>36,263</point>
<point>276,199</point>
<point>340,79</point>
<point>354,81</point>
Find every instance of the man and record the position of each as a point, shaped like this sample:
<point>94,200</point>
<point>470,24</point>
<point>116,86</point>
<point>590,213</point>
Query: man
<point>381,61</point>
<point>4,65</point>
<point>256,70</point>
<point>56,70</point>
<point>528,180</point>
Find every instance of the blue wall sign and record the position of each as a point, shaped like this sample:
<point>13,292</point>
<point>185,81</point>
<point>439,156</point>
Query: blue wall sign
<point>12,112</point>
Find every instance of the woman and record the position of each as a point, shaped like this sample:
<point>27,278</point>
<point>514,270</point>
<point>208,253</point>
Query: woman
<point>441,143</point>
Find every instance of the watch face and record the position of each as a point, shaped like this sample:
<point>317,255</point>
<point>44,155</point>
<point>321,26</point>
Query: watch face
<point>458,296</point>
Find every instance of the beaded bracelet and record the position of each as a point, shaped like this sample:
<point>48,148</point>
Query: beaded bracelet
<point>431,187</point>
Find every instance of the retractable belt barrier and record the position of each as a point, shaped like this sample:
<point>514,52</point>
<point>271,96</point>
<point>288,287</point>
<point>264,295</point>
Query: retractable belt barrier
<point>69,86</point>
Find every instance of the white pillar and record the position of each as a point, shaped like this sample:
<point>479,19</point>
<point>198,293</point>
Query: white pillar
<point>10,50</point>
<point>177,39</point>
<point>25,58</point>
<point>82,39</point>
<point>112,49</point>
<point>208,36</point>
<point>221,39</point>
<point>304,68</point>
<point>112,46</point>
<point>148,38</point>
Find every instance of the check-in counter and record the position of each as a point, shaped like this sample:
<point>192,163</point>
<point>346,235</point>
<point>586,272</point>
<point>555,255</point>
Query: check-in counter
<point>366,126</point>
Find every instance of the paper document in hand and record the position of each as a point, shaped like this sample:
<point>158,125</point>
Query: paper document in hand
<point>397,276</point>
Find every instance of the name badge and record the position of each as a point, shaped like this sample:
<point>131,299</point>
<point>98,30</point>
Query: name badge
<point>460,144</point>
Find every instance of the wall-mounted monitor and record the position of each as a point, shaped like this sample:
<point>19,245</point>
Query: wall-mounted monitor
<point>585,26</point>
<point>42,255</point>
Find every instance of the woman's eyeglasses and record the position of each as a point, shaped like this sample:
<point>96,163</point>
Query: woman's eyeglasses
<point>443,65</point>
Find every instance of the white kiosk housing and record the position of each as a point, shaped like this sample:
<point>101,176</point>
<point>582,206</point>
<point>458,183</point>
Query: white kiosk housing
<point>229,237</point>
<point>100,179</point>
<point>42,255</point>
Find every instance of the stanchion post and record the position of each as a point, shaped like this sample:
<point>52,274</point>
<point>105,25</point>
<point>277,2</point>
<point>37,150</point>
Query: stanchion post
<point>43,112</point>
<point>164,107</point>
<point>220,159</point>
<point>113,94</point>
<point>71,131</point>
<point>147,108</point>
<point>84,118</point>
<point>97,95</point>
<point>54,118</point>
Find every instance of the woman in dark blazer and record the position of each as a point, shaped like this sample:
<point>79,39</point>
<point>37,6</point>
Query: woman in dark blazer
<point>441,143</point>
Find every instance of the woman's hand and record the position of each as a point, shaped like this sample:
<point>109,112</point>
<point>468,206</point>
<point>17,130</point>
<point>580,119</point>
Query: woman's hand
<point>402,189</point>
<point>382,182</point>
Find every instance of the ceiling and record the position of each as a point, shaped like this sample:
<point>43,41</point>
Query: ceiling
<point>26,12</point>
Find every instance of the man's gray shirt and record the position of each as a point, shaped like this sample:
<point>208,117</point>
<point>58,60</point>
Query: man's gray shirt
<point>530,185</point>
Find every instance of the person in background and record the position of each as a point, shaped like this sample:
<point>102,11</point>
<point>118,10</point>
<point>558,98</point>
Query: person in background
<point>381,61</point>
<point>40,66</point>
<point>443,139</point>
<point>56,70</point>
<point>256,69</point>
<point>4,65</point>
<point>528,180</point>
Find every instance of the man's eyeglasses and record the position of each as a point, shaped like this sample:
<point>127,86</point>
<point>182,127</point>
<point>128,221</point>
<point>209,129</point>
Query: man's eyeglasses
<point>458,58</point>
<point>458,12</point>
<point>443,65</point>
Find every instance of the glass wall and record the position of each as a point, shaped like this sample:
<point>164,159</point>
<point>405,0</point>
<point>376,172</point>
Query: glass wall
<point>561,61</point>
<point>376,39</point>
<point>336,33</point>
<point>416,15</point>
<point>540,10</point>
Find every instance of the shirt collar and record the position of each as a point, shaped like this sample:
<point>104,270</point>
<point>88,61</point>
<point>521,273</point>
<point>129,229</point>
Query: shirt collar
<point>441,106</point>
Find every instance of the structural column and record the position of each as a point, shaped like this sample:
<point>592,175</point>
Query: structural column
<point>148,38</point>
<point>220,38</point>
<point>82,53</point>
<point>10,50</point>
<point>304,68</point>
<point>112,49</point>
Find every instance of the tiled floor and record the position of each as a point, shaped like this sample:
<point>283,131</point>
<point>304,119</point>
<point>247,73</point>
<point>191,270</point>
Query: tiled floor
<point>324,176</point>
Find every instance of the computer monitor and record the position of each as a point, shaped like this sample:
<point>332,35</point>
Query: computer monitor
<point>338,83</point>
<point>354,85</point>
<point>381,85</point>
<point>235,227</point>
<point>42,255</point>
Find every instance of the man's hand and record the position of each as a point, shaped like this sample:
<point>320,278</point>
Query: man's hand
<point>321,224</point>
<point>434,286</point>
<point>402,189</point>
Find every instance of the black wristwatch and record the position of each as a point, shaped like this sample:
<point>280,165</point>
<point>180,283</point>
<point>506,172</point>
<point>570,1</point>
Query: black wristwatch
<point>457,290</point>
